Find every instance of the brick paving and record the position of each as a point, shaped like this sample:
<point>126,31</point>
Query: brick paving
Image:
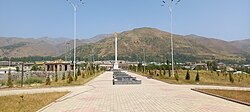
<point>99,95</point>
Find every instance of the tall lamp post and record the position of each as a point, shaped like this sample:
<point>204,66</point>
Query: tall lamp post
<point>144,63</point>
<point>75,9</point>
<point>170,6</point>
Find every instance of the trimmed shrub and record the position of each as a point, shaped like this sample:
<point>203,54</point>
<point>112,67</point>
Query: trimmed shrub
<point>169,73</point>
<point>69,78</point>
<point>164,71</point>
<point>2,83</point>
<point>48,81</point>
<point>160,72</point>
<point>33,80</point>
<point>9,82</point>
<point>63,76</point>
<point>56,76</point>
<point>76,77</point>
<point>83,74</point>
<point>78,72</point>
<point>197,78</point>
<point>231,78</point>
<point>176,76</point>
<point>187,75</point>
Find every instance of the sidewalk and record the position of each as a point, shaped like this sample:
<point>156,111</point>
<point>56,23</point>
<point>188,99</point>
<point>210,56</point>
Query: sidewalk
<point>99,95</point>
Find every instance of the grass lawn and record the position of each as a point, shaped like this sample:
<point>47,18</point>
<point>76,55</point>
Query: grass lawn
<point>60,82</point>
<point>79,81</point>
<point>206,78</point>
<point>29,102</point>
<point>243,96</point>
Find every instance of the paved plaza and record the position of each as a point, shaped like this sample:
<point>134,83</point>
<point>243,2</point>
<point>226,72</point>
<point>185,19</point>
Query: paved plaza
<point>99,95</point>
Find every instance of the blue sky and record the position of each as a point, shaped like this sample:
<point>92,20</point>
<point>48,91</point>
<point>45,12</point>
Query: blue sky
<point>222,19</point>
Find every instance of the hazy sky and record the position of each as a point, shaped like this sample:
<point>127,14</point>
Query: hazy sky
<point>223,19</point>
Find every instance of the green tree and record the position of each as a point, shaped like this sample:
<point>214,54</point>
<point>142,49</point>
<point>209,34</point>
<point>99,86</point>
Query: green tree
<point>63,76</point>
<point>69,78</point>
<point>83,74</point>
<point>160,71</point>
<point>169,69</point>
<point>78,72</point>
<point>164,70</point>
<point>218,73</point>
<point>140,67</point>
<point>197,78</point>
<point>187,75</point>
<point>48,81</point>
<point>231,78</point>
<point>9,83</point>
<point>209,65</point>
<point>76,77</point>
<point>214,65</point>
<point>34,68</point>
<point>56,76</point>
<point>17,69</point>
<point>97,68</point>
<point>176,77</point>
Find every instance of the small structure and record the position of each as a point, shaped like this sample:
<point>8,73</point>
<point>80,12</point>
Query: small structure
<point>239,72</point>
<point>229,69</point>
<point>58,65</point>
<point>4,72</point>
<point>202,66</point>
<point>121,78</point>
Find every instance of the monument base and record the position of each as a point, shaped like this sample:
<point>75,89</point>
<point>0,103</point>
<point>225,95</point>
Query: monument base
<point>116,66</point>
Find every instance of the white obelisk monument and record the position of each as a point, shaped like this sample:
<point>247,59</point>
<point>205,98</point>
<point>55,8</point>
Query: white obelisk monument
<point>116,63</point>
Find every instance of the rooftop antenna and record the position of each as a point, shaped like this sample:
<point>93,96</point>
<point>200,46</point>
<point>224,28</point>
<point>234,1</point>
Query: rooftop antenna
<point>170,7</point>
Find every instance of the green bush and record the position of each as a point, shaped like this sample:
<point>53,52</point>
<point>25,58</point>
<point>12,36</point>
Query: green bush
<point>48,81</point>
<point>176,76</point>
<point>78,72</point>
<point>83,74</point>
<point>56,76</point>
<point>2,83</point>
<point>9,82</point>
<point>197,78</point>
<point>63,76</point>
<point>187,75</point>
<point>33,80</point>
<point>76,77</point>
<point>231,78</point>
<point>218,73</point>
<point>164,71</point>
<point>69,78</point>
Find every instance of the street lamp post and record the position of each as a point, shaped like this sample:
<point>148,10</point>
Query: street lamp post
<point>171,32</point>
<point>75,9</point>
<point>170,6</point>
<point>144,60</point>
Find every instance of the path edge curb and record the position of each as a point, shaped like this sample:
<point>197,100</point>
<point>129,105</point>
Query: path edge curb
<point>218,96</point>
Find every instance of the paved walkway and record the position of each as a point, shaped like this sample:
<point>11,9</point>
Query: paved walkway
<point>99,95</point>
<point>150,96</point>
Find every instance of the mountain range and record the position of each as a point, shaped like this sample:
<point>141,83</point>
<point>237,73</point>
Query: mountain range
<point>44,46</point>
<point>131,44</point>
